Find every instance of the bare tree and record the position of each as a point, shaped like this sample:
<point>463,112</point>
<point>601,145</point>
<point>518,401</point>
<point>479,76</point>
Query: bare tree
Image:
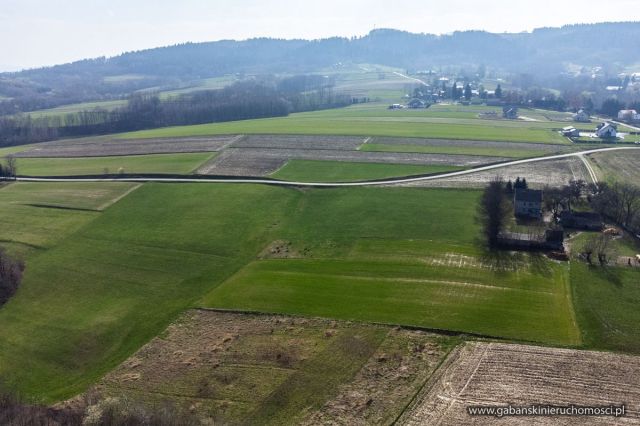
<point>629,202</point>
<point>600,245</point>
<point>12,166</point>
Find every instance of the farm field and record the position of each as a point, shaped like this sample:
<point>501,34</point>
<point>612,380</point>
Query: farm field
<point>374,120</point>
<point>340,171</point>
<point>622,166</point>
<point>265,161</point>
<point>495,374</point>
<point>124,274</point>
<point>606,301</point>
<point>153,163</point>
<point>538,175</point>
<point>380,255</point>
<point>482,148</point>
<point>36,216</point>
<point>112,285</point>
<point>103,146</point>
<point>245,369</point>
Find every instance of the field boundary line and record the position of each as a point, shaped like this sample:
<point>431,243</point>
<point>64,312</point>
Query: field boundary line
<point>118,198</point>
<point>451,356</point>
<point>592,173</point>
<point>450,359</point>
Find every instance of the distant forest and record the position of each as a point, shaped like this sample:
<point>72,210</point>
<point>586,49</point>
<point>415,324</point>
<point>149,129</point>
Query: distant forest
<point>547,51</point>
<point>240,101</point>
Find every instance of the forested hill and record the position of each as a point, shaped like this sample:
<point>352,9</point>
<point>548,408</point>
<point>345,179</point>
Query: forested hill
<point>546,50</point>
<point>584,44</point>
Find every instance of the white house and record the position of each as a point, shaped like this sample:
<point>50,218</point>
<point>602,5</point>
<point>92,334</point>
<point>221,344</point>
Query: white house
<point>628,115</point>
<point>606,131</point>
<point>571,132</point>
<point>581,117</point>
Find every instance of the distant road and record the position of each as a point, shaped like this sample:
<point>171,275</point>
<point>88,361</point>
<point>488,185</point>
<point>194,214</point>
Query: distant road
<point>326,184</point>
<point>411,78</point>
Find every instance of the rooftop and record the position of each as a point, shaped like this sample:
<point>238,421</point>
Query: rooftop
<point>529,195</point>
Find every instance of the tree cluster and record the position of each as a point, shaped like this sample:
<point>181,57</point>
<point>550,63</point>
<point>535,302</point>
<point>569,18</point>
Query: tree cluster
<point>494,211</point>
<point>619,202</point>
<point>600,246</point>
<point>9,169</point>
<point>240,101</point>
<point>557,199</point>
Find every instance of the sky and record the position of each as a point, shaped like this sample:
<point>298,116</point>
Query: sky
<point>45,32</point>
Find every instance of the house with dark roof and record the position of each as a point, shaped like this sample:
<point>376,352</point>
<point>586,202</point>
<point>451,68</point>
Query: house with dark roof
<point>510,112</point>
<point>528,203</point>
<point>581,220</point>
<point>417,103</point>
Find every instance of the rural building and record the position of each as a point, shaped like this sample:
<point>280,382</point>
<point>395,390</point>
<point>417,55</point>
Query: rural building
<point>628,115</point>
<point>581,220</point>
<point>528,203</point>
<point>552,239</point>
<point>570,132</point>
<point>510,112</point>
<point>581,117</point>
<point>416,103</point>
<point>606,131</point>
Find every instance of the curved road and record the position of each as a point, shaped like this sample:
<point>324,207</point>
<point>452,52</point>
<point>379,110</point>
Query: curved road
<point>328,184</point>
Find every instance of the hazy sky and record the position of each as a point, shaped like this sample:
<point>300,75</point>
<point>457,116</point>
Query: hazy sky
<point>44,32</point>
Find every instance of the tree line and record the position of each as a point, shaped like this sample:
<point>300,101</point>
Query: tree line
<point>240,101</point>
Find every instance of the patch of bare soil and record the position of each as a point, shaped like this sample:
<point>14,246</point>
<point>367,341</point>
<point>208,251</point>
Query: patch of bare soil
<point>496,374</point>
<point>386,384</point>
<point>538,175</point>
<point>543,148</point>
<point>281,249</point>
<point>104,147</point>
<point>224,366</point>
<point>263,161</point>
<point>348,143</point>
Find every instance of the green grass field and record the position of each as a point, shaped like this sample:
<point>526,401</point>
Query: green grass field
<point>403,257</point>
<point>339,171</point>
<point>376,120</point>
<point>36,216</point>
<point>153,163</point>
<point>110,286</point>
<point>607,302</point>
<point>455,150</point>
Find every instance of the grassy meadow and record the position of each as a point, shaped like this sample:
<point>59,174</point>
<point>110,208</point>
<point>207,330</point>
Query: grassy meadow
<point>442,121</point>
<point>508,151</point>
<point>607,306</point>
<point>403,257</point>
<point>339,171</point>
<point>152,163</point>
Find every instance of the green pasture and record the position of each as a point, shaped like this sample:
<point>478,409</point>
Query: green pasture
<point>339,171</point>
<point>376,120</point>
<point>152,163</point>
<point>607,302</point>
<point>507,151</point>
